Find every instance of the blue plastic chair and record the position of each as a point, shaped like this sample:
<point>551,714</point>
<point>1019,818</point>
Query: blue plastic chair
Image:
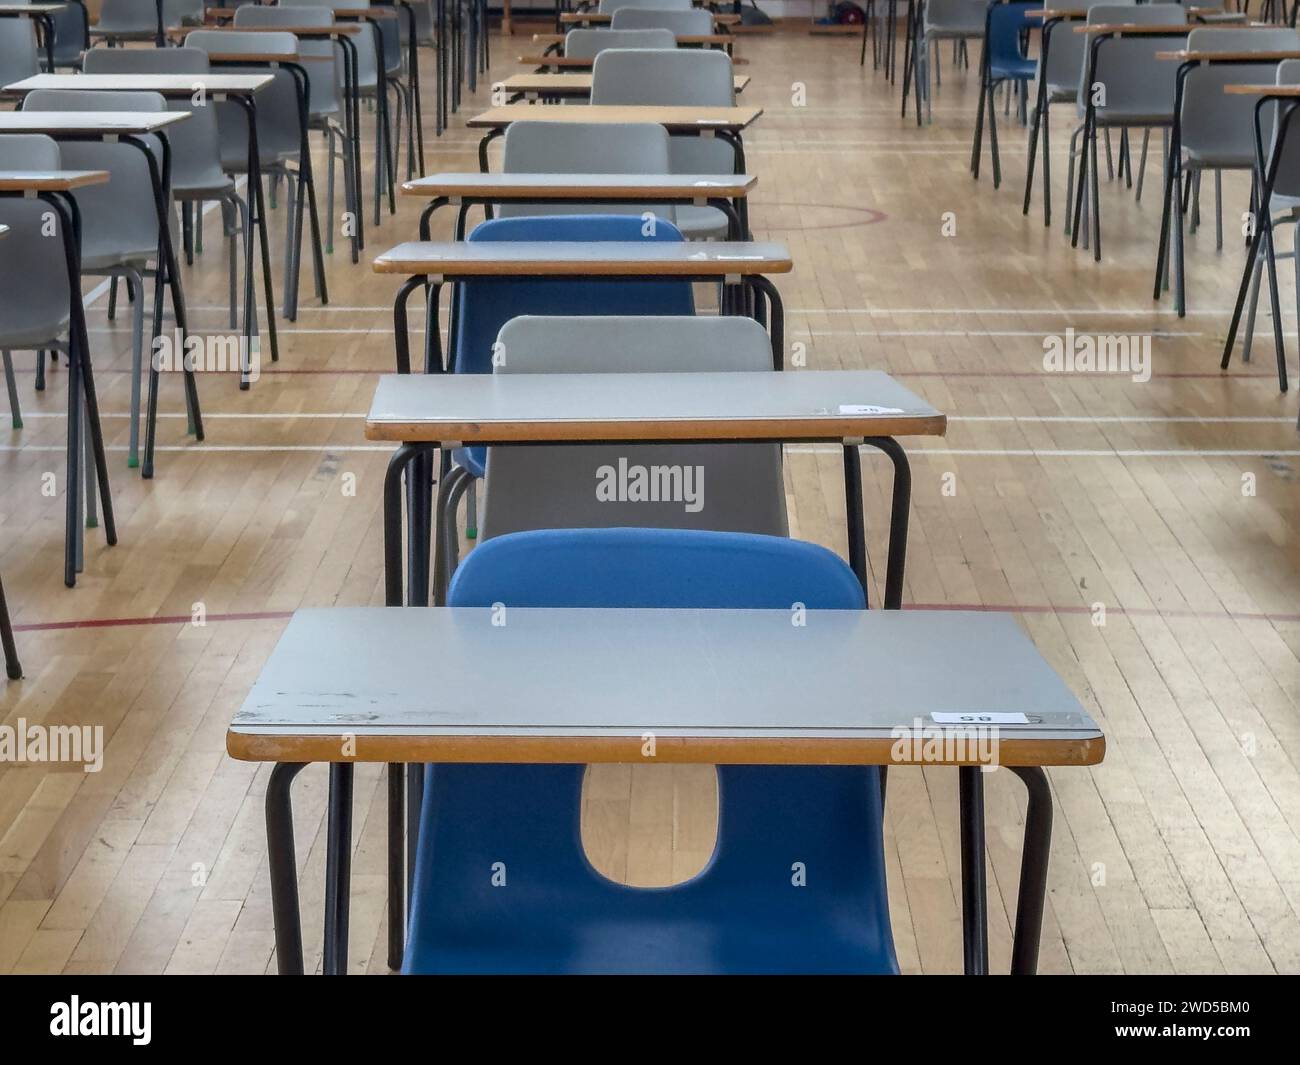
<point>483,307</point>
<point>741,913</point>
<point>1006,26</point>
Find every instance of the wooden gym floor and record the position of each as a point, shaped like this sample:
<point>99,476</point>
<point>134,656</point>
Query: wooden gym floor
<point>1053,492</point>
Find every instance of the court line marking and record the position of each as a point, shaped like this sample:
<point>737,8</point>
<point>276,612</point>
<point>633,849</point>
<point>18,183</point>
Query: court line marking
<point>1067,419</point>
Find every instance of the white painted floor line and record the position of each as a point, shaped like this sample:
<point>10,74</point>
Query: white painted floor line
<point>1037,334</point>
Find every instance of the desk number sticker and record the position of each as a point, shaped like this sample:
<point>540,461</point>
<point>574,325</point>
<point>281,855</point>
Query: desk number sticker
<point>868,408</point>
<point>979,719</point>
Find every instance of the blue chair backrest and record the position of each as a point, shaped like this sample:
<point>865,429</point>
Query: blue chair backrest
<point>1006,24</point>
<point>741,913</point>
<point>485,306</point>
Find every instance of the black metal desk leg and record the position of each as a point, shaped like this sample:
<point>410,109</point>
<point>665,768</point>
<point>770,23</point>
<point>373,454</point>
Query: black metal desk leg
<point>13,668</point>
<point>397,466</point>
<point>974,895</point>
<point>338,869</point>
<point>284,868</point>
<point>899,509</point>
<point>853,513</point>
<point>1033,871</point>
<point>396,866</point>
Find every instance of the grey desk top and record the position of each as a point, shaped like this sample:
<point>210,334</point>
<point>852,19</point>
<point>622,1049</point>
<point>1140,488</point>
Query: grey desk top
<point>98,123</point>
<point>687,187</point>
<point>539,408</point>
<point>559,258</point>
<point>708,685</point>
<point>169,85</point>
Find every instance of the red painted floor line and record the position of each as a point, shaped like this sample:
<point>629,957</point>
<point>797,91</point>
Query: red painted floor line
<point>992,608</point>
<point>161,619</point>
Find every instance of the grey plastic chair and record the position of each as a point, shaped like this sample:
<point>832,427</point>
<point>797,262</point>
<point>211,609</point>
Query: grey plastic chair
<point>280,136</point>
<point>553,487</point>
<point>1283,208</point>
<point>33,275</point>
<point>608,7</point>
<point>1216,130</point>
<point>119,224</point>
<point>1066,51</point>
<point>944,20</point>
<point>588,43</point>
<point>1139,93</point>
<point>177,14</point>
<point>71,35</point>
<point>367,87</point>
<point>34,313</point>
<point>196,174</point>
<point>126,20</point>
<point>685,23</point>
<point>322,60</point>
<point>18,52</point>
<point>585,148</point>
<point>681,77</point>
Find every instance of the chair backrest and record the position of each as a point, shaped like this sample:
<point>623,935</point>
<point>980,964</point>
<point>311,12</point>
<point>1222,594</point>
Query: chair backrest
<point>689,22</point>
<point>954,17</point>
<point>682,77</point>
<point>738,914</point>
<point>71,34</point>
<point>18,57</point>
<point>608,7</point>
<point>367,55</point>
<point>723,487</point>
<point>1217,126</point>
<point>321,59</point>
<point>585,148</point>
<point>1134,81</point>
<point>135,17</point>
<point>485,306</point>
<point>195,145</point>
<point>278,125</point>
<point>33,273</point>
<point>177,13</point>
<point>587,44</point>
<point>120,213</point>
<point>1067,50</point>
<point>1288,169</point>
<point>1007,24</point>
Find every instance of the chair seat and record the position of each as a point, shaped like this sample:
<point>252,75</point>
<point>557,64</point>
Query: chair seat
<point>701,222</point>
<point>1219,158</point>
<point>1019,70</point>
<point>30,330</point>
<point>95,257</point>
<point>671,944</point>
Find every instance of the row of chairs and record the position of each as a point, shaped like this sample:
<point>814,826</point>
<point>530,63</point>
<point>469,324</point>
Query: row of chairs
<point>545,540</point>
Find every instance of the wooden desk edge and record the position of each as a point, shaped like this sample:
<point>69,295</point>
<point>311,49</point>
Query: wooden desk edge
<point>1088,749</point>
<point>65,182</point>
<point>791,430</point>
<point>430,190</point>
<point>709,268</point>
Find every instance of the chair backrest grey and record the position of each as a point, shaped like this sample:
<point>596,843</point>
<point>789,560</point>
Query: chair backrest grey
<point>682,77</point>
<point>686,23</point>
<point>585,148</point>
<point>956,17</point>
<point>1217,126</point>
<point>128,16</point>
<point>33,272</point>
<point>587,44</point>
<point>1066,51</point>
<point>608,7</point>
<point>367,55</point>
<point>277,104</point>
<point>119,214</point>
<point>196,152</point>
<point>727,487</point>
<point>17,50</point>
<point>70,29</point>
<point>177,13</point>
<point>1130,78</point>
<point>321,59</point>
<point>1288,169</point>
